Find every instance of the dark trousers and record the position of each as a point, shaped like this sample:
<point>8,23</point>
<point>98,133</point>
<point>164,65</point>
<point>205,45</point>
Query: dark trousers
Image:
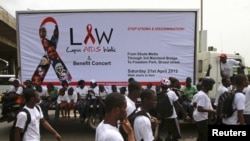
<point>45,108</point>
<point>83,108</point>
<point>202,130</point>
<point>247,119</point>
<point>172,129</point>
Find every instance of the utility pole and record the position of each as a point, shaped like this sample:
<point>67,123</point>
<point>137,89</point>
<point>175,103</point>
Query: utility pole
<point>201,48</point>
<point>201,15</point>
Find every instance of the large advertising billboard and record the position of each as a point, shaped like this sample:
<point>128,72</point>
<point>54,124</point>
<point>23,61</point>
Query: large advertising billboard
<point>108,46</point>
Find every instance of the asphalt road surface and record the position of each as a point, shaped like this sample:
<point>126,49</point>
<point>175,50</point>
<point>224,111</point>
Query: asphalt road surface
<point>74,130</point>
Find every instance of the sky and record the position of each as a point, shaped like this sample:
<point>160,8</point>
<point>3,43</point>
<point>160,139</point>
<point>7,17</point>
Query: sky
<point>227,22</point>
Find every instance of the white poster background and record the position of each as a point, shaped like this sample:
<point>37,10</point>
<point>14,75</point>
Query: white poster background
<point>139,40</point>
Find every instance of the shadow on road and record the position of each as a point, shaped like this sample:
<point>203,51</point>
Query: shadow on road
<point>70,130</point>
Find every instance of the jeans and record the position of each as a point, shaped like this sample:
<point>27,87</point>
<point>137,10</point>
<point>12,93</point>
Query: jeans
<point>187,107</point>
<point>83,108</point>
<point>45,108</point>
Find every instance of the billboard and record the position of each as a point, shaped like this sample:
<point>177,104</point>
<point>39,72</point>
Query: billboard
<point>108,46</point>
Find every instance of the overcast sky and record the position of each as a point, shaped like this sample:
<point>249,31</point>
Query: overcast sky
<point>227,21</point>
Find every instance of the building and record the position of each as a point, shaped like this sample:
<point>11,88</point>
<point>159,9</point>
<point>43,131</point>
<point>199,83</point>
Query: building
<point>8,43</point>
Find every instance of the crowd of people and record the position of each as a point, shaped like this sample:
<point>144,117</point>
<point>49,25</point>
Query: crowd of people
<point>64,99</point>
<point>115,106</point>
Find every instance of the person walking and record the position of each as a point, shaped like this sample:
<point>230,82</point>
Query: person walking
<point>224,87</point>
<point>170,124</point>
<point>146,126</point>
<point>134,91</point>
<point>241,81</point>
<point>115,110</point>
<point>203,108</point>
<point>246,112</point>
<point>31,97</point>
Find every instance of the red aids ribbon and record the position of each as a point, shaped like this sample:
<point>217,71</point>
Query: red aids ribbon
<point>89,35</point>
<point>51,56</point>
<point>48,19</point>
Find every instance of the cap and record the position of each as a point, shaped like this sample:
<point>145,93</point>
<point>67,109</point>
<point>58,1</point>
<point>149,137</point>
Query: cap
<point>92,80</point>
<point>223,55</point>
<point>18,80</point>
<point>11,79</point>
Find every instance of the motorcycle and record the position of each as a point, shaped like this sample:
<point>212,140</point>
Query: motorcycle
<point>13,107</point>
<point>94,117</point>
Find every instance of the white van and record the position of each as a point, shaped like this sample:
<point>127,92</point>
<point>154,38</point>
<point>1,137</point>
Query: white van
<point>4,84</point>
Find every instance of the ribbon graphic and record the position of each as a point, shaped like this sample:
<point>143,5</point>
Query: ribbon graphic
<point>89,35</point>
<point>51,56</point>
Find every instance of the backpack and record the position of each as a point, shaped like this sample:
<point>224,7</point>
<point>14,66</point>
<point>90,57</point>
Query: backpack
<point>133,116</point>
<point>164,107</point>
<point>131,119</point>
<point>225,105</point>
<point>12,129</point>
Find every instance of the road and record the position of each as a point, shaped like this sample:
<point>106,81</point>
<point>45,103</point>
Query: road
<point>73,130</point>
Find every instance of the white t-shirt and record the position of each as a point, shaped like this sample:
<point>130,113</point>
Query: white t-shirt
<point>247,102</point>
<point>19,90</point>
<point>194,100</point>
<point>43,92</point>
<point>107,132</point>
<point>130,105</point>
<point>227,68</point>
<point>172,97</point>
<point>202,100</point>
<point>102,94</point>
<point>72,97</point>
<point>11,89</point>
<point>142,128</point>
<point>220,91</point>
<point>33,131</point>
<point>96,91</point>
<point>238,104</point>
<point>63,98</point>
<point>82,92</point>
